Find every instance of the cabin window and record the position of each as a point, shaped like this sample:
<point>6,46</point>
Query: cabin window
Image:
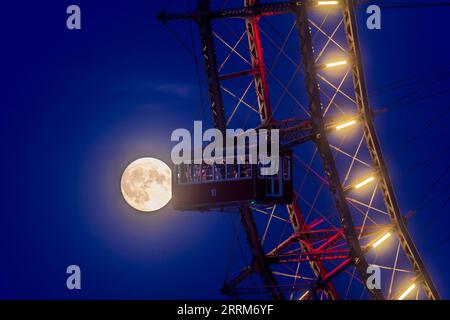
<point>219,172</point>
<point>245,170</point>
<point>273,186</point>
<point>188,173</point>
<point>258,169</point>
<point>232,171</point>
<point>197,173</point>
<point>207,172</point>
<point>182,173</point>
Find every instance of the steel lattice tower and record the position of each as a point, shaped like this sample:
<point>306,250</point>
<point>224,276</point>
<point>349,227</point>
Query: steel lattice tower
<point>303,60</point>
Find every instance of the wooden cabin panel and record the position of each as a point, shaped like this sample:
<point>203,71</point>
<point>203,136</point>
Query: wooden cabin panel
<point>262,197</point>
<point>213,193</point>
<point>288,193</point>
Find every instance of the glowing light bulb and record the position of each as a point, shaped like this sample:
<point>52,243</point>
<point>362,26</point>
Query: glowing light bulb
<point>381,240</point>
<point>335,64</point>
<point>408,291</point>
<point>326,3</point>
<point>345,125</point>
<point>364,182</point>
<point>304,295</point>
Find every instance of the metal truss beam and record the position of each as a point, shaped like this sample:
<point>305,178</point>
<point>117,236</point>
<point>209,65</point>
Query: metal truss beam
<point>264,290</point>
<point>265,112</point>
<point>317,266</point>
<point>373,145</point>
<point>304,237</point>
<point>238,74</point>
<point>209,56</point>
<point>293,133</point>
<point>313,255</point>
<point>260,263</point>
<point>324,147</point>
<point>256,55</point>
<point>257,10</point>
<point>229,288</point>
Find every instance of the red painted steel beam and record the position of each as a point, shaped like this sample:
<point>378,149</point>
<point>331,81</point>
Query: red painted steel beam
<point>256,55</point>
<point>317,266</point>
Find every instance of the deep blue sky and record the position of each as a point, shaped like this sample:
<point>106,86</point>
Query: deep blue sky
<point>77,106</point>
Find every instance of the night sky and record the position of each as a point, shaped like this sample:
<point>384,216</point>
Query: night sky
<point>78,106</point>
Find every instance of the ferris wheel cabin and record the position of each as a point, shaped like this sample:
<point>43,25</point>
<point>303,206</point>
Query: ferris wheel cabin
<point>203,186</point>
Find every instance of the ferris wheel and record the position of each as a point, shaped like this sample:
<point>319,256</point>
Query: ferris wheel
<point>320,228</point>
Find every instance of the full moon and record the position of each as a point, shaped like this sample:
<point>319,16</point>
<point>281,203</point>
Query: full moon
<point>146,184</point>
